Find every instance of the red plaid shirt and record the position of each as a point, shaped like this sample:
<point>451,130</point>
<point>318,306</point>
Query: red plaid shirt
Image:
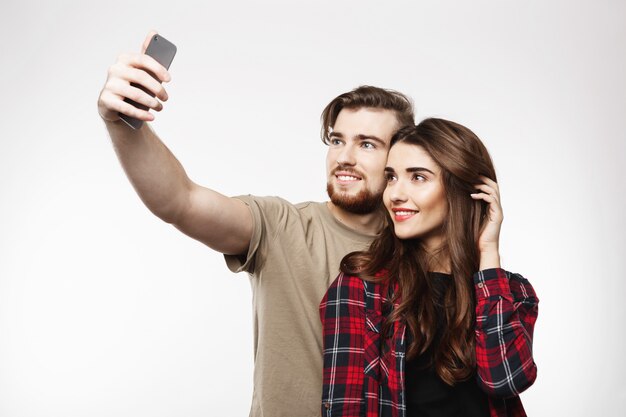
<point>361,380</point>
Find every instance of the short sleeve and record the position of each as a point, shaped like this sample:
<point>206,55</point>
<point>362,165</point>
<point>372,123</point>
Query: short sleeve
<point>269,216</point>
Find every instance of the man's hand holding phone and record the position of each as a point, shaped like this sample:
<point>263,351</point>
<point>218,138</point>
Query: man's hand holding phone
<point>133,85</point>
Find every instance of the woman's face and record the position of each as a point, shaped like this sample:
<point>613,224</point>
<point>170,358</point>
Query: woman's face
<point>415,196</point>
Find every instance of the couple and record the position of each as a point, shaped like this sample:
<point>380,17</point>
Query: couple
<point>420,298</point>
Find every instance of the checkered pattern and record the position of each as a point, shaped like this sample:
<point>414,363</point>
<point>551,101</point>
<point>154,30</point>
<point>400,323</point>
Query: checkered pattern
<point>364,372</point>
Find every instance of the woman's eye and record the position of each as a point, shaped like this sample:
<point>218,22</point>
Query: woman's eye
<point>390,177</point>
<point>419,178</point>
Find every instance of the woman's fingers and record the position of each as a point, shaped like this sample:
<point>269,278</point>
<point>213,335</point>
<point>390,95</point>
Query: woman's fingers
<point>490,193</point>
<point>484,196</point>
<point>489,182</point>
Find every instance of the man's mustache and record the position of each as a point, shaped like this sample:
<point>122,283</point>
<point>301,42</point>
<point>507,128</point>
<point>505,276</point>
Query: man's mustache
<point>348,170</point>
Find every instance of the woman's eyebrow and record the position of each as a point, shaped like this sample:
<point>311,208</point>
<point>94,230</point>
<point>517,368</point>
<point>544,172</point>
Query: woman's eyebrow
<point>419,169</point>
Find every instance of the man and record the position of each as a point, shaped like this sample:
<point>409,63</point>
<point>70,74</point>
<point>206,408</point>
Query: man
<point>292,252</point>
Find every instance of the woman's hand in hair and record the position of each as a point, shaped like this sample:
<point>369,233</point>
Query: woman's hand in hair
<point>488,242</point>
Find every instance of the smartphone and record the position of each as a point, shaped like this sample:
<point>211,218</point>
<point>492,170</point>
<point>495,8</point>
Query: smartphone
<point>163,52</point>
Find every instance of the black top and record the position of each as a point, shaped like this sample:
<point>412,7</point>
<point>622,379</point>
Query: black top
<point>426,394</point>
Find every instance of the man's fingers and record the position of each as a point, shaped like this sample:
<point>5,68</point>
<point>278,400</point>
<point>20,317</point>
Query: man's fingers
<point>132,111</point>
<point>137,77</point>
<point>116,104</point>
<point>146,63</point>
<point>147,81</point>
<point>125,90</point>
<point>121,71</point>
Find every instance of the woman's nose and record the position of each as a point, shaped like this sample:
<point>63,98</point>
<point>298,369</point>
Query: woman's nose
<point>397,192</point>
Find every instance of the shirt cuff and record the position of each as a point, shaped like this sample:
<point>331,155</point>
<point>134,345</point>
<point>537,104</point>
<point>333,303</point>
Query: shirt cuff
<point>492,282</point>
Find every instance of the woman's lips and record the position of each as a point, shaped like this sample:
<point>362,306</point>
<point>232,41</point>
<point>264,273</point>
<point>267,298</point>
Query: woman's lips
<point>402,214</point>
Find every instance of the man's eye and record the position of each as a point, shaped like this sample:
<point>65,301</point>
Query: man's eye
<point>335,142</point>
<point>368,145</point>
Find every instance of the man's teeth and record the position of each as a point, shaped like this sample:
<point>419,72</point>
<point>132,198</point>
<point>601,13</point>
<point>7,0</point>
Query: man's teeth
<point>346,178</point>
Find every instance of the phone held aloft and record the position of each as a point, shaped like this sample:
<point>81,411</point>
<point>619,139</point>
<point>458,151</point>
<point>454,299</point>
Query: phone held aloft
<point>163,52</point>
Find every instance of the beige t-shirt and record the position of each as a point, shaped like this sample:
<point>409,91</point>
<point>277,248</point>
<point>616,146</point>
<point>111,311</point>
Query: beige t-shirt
<point>293,258</point>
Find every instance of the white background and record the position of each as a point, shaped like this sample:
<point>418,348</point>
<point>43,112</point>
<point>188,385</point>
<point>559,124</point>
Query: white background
<point>105,310</point>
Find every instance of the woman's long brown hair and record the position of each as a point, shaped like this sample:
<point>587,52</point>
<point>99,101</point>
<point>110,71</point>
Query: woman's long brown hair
<point>462,158</point>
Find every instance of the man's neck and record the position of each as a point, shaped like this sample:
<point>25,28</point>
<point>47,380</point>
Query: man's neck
<point>370,223</point>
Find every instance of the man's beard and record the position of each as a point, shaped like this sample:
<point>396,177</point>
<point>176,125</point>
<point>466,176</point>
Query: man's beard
<point>364,202</point>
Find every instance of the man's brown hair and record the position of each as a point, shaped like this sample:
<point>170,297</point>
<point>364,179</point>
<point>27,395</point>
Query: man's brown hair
<point>372,97</point>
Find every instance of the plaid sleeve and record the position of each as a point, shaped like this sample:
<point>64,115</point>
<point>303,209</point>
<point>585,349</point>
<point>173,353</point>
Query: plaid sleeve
<point>342,312</point>
<point>506,311</point>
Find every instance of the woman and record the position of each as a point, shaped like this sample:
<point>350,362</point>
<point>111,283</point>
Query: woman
<point>425,322</point>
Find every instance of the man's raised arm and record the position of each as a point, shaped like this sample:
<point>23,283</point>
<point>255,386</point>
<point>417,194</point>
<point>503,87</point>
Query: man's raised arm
<point>220,222</point>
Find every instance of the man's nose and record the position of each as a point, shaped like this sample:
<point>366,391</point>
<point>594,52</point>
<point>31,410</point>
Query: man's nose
<point>347,156</point>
